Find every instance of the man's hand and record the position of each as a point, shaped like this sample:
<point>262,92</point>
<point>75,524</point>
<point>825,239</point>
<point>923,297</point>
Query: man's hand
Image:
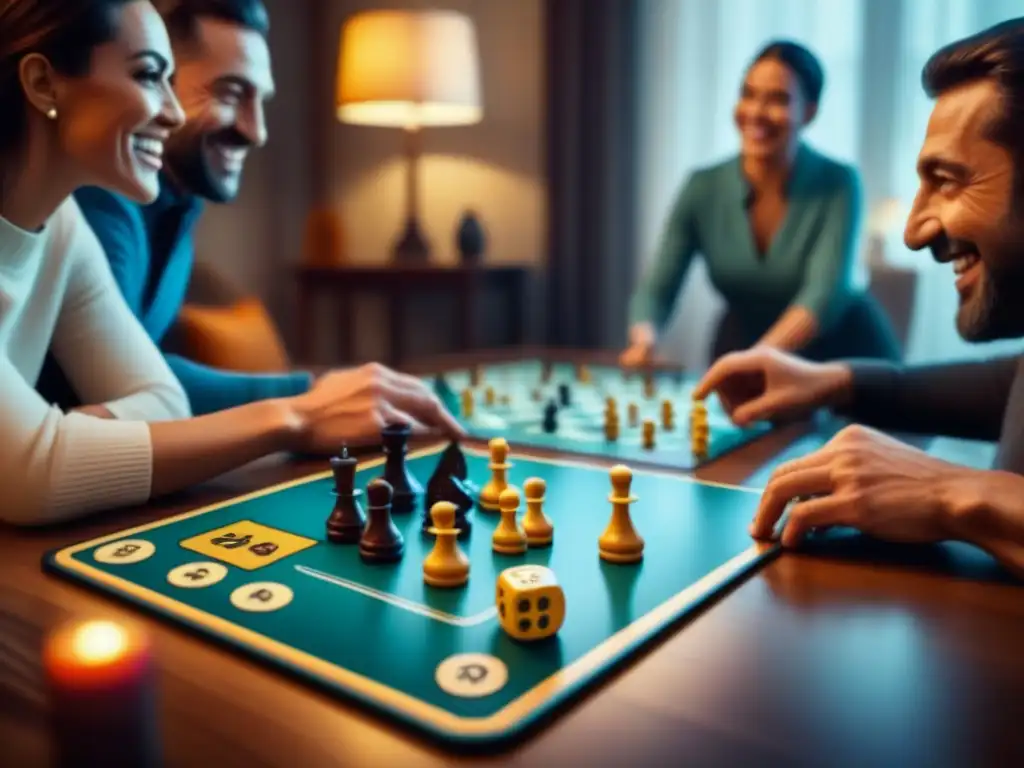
<point>866,480</point>
<point>352,406</point>
<point>763,383</point>
<point>642,339</point>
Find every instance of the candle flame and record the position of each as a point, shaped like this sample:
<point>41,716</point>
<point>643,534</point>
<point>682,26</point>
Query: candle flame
<point>98,642</point>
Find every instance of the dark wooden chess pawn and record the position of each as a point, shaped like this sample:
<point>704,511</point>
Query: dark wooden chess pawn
<point>381,541</point>
<point>345,525</point>
<point>564,395</point>
<point>406,489</point>
<point>550,421</point>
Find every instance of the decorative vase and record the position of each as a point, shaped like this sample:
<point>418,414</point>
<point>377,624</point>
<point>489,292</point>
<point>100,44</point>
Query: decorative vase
<point>470,239</point>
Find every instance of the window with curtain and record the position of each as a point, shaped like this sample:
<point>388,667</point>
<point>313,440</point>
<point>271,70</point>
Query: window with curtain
<point>873,114</point>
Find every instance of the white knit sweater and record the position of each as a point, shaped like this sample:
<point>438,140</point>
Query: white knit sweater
<point>57,291</point>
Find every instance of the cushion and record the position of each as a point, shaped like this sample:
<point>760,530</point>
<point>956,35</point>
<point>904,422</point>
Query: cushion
<point>239,337</point>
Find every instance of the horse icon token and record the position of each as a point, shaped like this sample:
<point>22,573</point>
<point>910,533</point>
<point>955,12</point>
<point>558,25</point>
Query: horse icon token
<point>471,675</point>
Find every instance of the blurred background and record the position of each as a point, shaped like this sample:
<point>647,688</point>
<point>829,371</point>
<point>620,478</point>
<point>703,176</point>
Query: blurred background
<point>542,203</point>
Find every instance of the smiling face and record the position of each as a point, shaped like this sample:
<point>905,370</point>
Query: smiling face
<point>771,110</point>
<point>965,211</point>
<point>224,81</point>
<point>113,121</point>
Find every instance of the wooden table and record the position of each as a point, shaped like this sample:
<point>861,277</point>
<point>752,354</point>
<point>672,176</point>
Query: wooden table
<point>870,656</point>
<point>464,285</point>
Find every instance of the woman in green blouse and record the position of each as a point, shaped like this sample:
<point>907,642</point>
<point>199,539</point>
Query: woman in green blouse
<point>778,227</point>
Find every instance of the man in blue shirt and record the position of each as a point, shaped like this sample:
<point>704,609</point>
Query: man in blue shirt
<point>223,81</point>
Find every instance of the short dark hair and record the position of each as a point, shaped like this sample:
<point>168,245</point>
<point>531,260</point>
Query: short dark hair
<point>64,31</point>
<point>804,65</point>
<point>182,16</point>
<point>996,54</point>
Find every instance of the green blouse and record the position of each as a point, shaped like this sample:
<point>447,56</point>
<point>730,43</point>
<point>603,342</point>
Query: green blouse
<point>810,263</point>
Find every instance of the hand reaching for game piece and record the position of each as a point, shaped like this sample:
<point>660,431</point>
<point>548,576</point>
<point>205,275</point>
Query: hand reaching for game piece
<point>352,406</point>
<point>763,383</point>
<point>642,339</point>
<point>866,480</point>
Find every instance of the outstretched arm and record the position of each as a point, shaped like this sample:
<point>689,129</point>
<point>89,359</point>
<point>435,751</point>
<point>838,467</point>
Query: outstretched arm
<point>210,389</point>
<point>965,400</point>
<point>655,297</point>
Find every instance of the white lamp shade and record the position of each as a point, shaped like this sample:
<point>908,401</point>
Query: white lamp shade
<point>408,69</point>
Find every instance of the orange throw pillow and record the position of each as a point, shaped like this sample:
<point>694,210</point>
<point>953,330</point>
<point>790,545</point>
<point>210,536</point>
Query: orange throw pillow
<point>241,337</point>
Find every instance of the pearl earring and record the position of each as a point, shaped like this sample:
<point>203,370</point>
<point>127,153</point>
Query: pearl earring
<point>52,113</point>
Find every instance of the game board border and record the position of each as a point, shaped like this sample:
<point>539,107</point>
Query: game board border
<point>519,714</point>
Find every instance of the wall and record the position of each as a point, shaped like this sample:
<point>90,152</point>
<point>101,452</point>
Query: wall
<point>495,167</point>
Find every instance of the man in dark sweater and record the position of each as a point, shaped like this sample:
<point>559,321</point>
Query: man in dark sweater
<point>969,211</point>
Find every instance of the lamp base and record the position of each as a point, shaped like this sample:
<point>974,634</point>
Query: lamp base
<point>412,247</point>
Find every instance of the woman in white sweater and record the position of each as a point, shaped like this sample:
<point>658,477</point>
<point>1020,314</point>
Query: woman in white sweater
<point>86,101</point>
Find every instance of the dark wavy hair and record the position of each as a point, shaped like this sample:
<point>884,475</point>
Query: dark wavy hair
<point>64,31</point>
<point>181,16</point>
<point>995,54</point>
<point>801,62</point>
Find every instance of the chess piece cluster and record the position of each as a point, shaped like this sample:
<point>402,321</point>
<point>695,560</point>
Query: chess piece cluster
<point>512,536</point>
<point>700,432</point>
<point>378,538</point>
<point>611,420</point>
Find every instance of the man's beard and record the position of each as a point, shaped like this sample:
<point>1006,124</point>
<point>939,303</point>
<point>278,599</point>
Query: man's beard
<point>995,310</point>
<point>186,159</point>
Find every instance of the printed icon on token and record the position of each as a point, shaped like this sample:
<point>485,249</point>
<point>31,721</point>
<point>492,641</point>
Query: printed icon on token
<point>196,575</point>
<point>261,597</point>
<point>124,552</point>
<point>471,675</point>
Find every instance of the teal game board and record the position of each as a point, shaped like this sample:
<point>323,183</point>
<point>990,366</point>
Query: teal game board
<point>431,658</point>
<point>580,424</point>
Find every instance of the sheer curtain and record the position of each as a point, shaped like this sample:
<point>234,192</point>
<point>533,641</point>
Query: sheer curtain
<point>692,57</point>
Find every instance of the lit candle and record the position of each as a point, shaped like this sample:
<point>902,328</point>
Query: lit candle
<point>101,678</point>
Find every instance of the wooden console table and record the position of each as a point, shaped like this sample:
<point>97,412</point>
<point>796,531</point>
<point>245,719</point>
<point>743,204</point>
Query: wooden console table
<point>398,283</point>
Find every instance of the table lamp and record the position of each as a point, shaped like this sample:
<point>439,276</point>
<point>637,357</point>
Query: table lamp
<point>409,70</point>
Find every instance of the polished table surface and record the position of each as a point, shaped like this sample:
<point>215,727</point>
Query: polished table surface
<point>858,654</point>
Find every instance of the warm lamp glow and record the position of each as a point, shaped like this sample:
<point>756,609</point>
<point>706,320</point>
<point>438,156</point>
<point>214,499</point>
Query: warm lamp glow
<point>886,217</point>
<point>407,69</point>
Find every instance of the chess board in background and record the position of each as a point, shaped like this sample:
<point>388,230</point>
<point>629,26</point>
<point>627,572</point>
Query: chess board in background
<point>522,390</point>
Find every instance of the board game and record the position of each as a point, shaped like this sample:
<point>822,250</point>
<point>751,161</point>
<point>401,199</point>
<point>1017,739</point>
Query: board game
<point>513,399</point>
<point>267,575</point>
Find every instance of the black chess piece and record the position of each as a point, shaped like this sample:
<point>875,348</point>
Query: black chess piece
<point>346,522</point>
<point>406,488</point>
<point>453,462</point>
<point>564,395</point>
<point>550,422</point>
<point>381,541</point>
<point>446,487</point>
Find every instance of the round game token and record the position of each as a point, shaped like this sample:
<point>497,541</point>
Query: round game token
<point>261,597</point>
<point>124,552</point>
<point>471,675</point>
<point>196,575</point>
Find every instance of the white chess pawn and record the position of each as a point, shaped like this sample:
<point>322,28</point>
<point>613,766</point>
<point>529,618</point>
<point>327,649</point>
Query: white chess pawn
<point>499,478</point>
<point>446,565</point>
<point>509,537</point>
<point>620,543</point>
<point>537,525</point>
